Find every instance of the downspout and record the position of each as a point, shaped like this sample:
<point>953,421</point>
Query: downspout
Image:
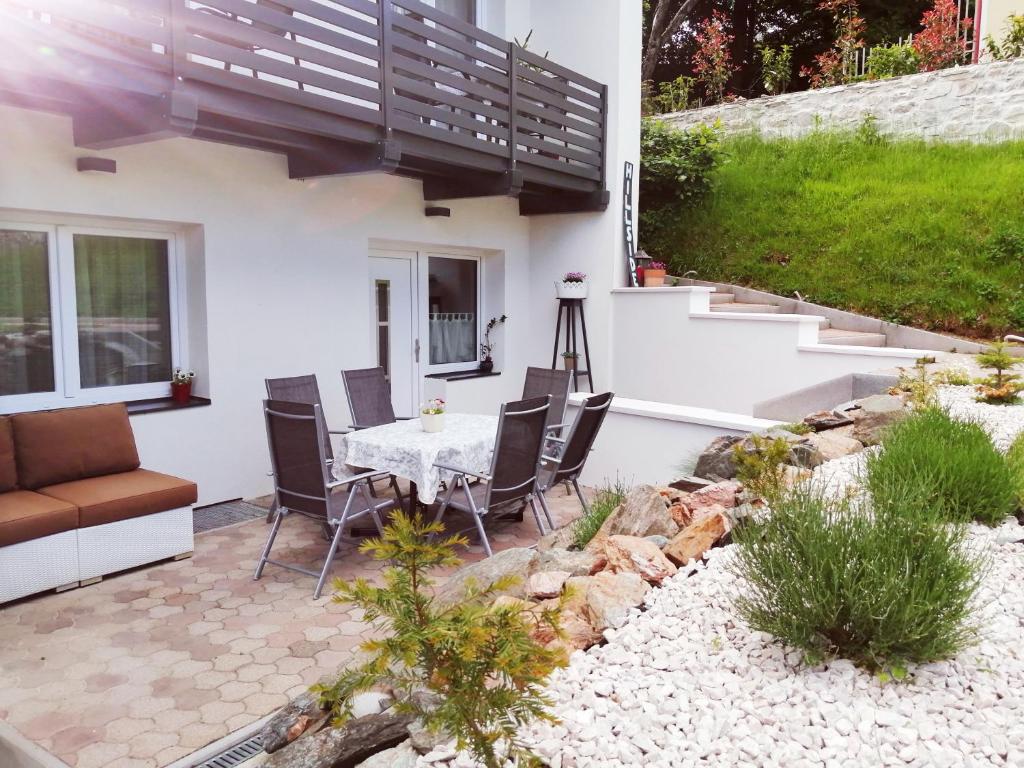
<point>976,52</point>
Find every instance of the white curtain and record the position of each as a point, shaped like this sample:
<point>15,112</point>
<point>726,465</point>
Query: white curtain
<point>452,337</point>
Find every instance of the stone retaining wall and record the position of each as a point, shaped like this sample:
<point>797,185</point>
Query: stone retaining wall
<point>979,103</point>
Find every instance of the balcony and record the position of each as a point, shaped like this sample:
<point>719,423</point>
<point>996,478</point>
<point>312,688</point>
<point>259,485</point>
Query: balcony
<point>339,87</point>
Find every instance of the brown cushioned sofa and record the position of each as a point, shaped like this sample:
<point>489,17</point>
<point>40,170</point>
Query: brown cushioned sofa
<point>75,503</point>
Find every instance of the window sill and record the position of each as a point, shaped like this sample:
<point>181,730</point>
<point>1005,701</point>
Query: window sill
<point>161,404</point>
<point>463,375</point>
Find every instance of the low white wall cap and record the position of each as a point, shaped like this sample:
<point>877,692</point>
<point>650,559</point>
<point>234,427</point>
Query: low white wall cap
<point>668,289</point>
<point>761,317</point>
<point>683,413</point>
<point>845,349</point>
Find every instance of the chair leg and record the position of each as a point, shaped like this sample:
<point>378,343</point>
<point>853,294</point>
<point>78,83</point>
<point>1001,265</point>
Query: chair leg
<point>330,558</point>
<point>444,505</point>
<point>537,517</point>
<point>547,511</point>
<point>579,494</point>
<point>477,519</point>
<point>272,512</point>
<point>368,500</point>
<point>270,542</point>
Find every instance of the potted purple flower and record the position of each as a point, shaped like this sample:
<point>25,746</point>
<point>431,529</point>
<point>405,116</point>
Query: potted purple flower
<point>572,286</point>
<point>654,274</point>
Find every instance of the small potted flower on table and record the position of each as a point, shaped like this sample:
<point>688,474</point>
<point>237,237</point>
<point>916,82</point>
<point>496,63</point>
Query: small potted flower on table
<point>654,274</point>
<point>432,415</point>
<point>573,285</point>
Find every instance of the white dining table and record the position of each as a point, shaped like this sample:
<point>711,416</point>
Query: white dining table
<point>403,449</point>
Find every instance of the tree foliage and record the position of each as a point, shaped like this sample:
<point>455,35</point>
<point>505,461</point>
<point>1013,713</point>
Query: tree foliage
<point>676,165</point>
<point>940,43</point>
<point>477,655</point>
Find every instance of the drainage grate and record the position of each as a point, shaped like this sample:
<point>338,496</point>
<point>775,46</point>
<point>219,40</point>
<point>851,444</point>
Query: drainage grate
<point>236,755</point>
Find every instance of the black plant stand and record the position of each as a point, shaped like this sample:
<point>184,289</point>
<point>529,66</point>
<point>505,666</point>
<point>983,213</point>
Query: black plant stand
<point>570,309</point>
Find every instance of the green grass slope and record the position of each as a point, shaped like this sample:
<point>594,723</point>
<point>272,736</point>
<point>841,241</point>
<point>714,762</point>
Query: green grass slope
<point>930,235</point>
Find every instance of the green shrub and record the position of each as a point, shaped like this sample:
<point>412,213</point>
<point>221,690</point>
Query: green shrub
<point>798,428</point>
<point>880,589</point>
<point>676,166</point>
<point>1015,460</point>
<point>1012,44</point>
<point>604,503</point>
<point>895,60</point>
<point>478,658</point>
<point>762,471</point>
<point>953,377</point>
<point>952,466</point>
<point>776,68</point>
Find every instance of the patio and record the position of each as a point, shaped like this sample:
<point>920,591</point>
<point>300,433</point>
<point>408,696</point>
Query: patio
<point>148,666</point>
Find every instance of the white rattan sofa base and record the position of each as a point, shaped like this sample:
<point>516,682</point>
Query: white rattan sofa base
<point>38,565</point>
<point>113,547</point>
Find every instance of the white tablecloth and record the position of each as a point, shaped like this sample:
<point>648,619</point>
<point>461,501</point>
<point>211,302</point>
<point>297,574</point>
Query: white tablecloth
<point>405,450</point>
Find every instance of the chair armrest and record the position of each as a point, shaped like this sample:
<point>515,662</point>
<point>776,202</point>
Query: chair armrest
<point>462,471</point>
<point>405,418</point>
<point>551,439</point>
<point>338,431</point>
<point>553,427</point>
<point>372,474</point>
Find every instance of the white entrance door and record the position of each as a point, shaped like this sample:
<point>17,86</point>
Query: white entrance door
<point>393,318</point>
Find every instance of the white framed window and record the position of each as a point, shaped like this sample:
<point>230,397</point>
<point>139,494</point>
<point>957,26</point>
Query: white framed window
<point>450,298</point>
<point>88,314</point>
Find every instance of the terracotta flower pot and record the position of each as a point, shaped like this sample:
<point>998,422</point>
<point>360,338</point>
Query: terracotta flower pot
<point>569,363</point>
<point>654,278</point>
<point>181,392</point>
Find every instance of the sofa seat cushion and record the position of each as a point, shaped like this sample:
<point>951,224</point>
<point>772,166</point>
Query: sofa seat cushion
<point>25,516</point>
<point>73,443</point>
<point>124,495</point>
<point>8,468</point>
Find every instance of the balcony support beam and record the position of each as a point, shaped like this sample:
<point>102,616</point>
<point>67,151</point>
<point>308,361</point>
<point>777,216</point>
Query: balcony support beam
<point>563,202</point>
<point>507,184</point>
<point>135,120</point>
<point>341,160</point>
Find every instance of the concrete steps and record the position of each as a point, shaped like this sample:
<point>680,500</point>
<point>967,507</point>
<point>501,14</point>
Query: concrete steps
<point>726,302</point>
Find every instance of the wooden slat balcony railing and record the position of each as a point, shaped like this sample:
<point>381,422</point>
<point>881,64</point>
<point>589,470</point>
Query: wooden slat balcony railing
<point>340,86</point>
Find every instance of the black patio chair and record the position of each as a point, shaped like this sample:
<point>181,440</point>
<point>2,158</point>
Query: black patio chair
<point>369,398</point>
<point>303,484</point>
<point>512,477</point>
<point>549,381</point>
<point>575,450</point>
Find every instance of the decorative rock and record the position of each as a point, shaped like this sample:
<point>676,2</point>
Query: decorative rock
<point>547,584</point>
<point>696,539</point>
<point>721,494</point>
<point>511,562</point>
<point>346,746</point>
<point>576,563</point>
<point>643,513</point>
<point>833,445</point>
<point>578,632</point>
<point>402,756</point>
<point>562,539</point>
<point>826,420</point>
<point>716,463</point>
<point>423,740</point>
<point>291,721</point>
<point>629,554</point>
<point>609,596</point>
<point>689,484</point>
<point>873,415</point>
<point>659,541</point>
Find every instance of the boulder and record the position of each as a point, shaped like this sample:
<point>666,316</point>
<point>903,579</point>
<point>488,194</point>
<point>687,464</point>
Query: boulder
<point>578,633</point>
<point>873,415</point>
<point>402,756</point>
<point>512,562</point>
<point>291,721</point>
<point>693,541</point>
<point>659,541</point>
<point>833,444</point>
<point>821,421</point>
<point>629,554</point>
<point>547,584</point>
<point>370,703</point>
<point>609,596</point>
<point>792,476</point>
<point>562,539</point>
<point>688,484</point>
<point>644,512</point>
<point>344,747</point>
<point>576,563</point>
<point>718,494</point>
<point>716,462</point>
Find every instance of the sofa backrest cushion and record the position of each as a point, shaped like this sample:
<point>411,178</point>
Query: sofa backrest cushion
<point>8,469</point>
<point>73,443</point>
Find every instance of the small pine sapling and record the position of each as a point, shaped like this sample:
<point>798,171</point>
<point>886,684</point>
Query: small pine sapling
<point>478,656</point>
<point>1002,387</point>
<point>762,471</point>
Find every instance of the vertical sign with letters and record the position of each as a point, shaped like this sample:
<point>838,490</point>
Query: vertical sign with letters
<point>627,215</point>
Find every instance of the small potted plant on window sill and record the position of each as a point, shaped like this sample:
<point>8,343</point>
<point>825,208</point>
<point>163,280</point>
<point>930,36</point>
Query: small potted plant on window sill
<point>572,286</point>
<point>654,274</point>
<point>432,415</point>
<point>569,360</point>
<point>181,385</point>
<point>487,363</point>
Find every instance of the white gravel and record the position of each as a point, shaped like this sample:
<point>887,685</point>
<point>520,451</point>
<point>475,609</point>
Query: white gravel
<point>684,683</point>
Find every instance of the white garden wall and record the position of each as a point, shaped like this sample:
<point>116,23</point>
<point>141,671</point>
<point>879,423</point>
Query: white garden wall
<point>670,348</point>
<point>981,103</point>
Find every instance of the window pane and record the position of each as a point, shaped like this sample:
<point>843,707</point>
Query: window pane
<point>462,9</point>
<point>124,316</point>
<point>452,301</point>
<point>26,342</point>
